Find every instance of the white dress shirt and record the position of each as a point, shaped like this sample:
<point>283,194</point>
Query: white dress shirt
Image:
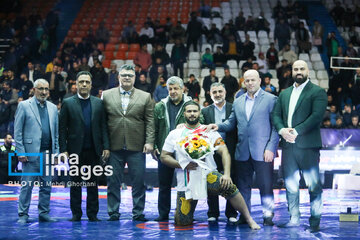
<point>249,103</point>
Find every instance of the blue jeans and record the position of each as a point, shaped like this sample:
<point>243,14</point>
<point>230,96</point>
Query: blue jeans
<point>32,166</point>
<point>136,165</point>
<point>306,162</point>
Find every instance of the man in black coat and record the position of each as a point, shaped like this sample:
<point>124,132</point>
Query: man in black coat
<point>83,131</point>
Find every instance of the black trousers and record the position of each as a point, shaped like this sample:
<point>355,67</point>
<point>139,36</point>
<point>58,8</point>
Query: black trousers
<point>264,178</point>
<point>165,175</point>
<point>88,158</point>
<point>213,200</point>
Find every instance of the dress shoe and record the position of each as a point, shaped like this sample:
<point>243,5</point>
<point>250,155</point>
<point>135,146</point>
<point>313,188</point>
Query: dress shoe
<point>212,219</point>
<point>314,229</point>
<point>161,218</point>
<point>75,219</point>
<point>232,220</point>
<point>290,224</point>
<point>114,218</point>
<point>22,220</point>
<point>268,221</point>
<point>140,218</point>
<point>94,219</point>
<point>46,218</point>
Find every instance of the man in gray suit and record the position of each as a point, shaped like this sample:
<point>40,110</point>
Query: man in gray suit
<point>36,131</point>
<point>131,134</point>
<point>257,142</point>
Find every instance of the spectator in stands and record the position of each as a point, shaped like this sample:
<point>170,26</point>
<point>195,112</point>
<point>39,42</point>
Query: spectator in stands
<point>95,56</point>
<point>54,79</point>
<point>146,34</point>
<point>248,48</point>
<point>337,86</point>
<point>143,58</point>
<point>288,54</point>
<point>347,113</point>
<point>143,84</point>
<point>113,75</point>
<point>157,71</point>
<point>161,90</point>
<point>249,24</point>
<point>219,57</point>
<point>278,10</point>
<point>354,122</point>
<point>193,31</point>
<point>318,34</point>
<point>302,39</point>
<point>282,33</point>
<point>168,26</point>
<point>285,80</point>
<point>129,34</point>
<point>263,65</point>
<point>71,92</point>
<point>267,86</point>
<point>161,53</point>
<point>337,13</point>
<point>137,74</point>
<point>205,10</point>
<point>354,36</point>
<point>71,78</point>
<point>102,34</point>
<point>14,82</point>
<point>332,45</point>
<point>351,51</point>
<point>178,58</point>
<point>326,123</point>
<point>207,60</point>
<point>193,87</point>
<point>339,123</point>
<point>240,22</point>
<point>208,80</point>
<point>177,32</point>
<point>25,87</point>
<point>232,48</point>
<point>160,33</point>
<point>213,35</point>
<point>31,73</point>
<point>247,65</point>
<point>332,114</point>
<point>84,66</point>
<point>261,23</point>
<point>272,56</point>
<point>355,89</point>
<point>4,117</point>
<point>255,66</point>
<point>99,78</point>
<point>231,85</point>
<point>226,31</point>
<point>294,22</point>
<point>9,97</point>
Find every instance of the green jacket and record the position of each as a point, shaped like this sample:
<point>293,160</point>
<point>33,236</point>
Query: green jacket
<point>162,122</point>
<point>308,115</point>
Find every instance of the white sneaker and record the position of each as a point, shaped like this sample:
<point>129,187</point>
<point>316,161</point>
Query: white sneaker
<point>212,219</point>
<point>232,220</point>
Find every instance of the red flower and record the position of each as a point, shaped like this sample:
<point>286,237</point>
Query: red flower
<point>186,145</point>
<point>195,139</point>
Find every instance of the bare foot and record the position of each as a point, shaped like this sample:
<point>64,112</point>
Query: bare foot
<point>253,225</point>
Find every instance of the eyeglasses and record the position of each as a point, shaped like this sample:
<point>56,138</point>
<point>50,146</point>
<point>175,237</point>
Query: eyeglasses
<point>43,89</point>
<point>127,75</point>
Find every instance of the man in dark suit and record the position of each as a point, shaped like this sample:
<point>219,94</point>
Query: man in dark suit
<point>54,79</point>
<point>83,131</point>
<point>208,80</point>
<point>131,133</point>
<point>216,113</point>
<point>297,116</point>
<point>31,73</point>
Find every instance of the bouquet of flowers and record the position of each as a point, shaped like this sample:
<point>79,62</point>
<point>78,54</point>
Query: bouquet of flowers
<point>196,146</point>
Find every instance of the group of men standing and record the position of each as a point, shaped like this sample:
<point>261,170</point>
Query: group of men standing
<point>125,126</point>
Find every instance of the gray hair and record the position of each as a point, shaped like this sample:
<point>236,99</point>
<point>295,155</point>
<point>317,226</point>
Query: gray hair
<point>127,67</point>
<point>40,81</point>
<point>175,80</point>
<point>217,84</point>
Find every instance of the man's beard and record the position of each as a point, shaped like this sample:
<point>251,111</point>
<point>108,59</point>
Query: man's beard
<point>300,80</point>
<point>192,122</point>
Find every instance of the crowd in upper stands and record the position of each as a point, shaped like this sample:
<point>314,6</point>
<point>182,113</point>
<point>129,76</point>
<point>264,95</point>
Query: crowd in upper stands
<point>33,39</point>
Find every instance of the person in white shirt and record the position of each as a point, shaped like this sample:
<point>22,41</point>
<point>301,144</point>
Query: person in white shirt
<point>215,183</point>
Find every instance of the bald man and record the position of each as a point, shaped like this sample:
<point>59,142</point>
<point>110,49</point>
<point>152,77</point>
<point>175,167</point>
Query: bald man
<point>257,143</point>
<point>297,116</point>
